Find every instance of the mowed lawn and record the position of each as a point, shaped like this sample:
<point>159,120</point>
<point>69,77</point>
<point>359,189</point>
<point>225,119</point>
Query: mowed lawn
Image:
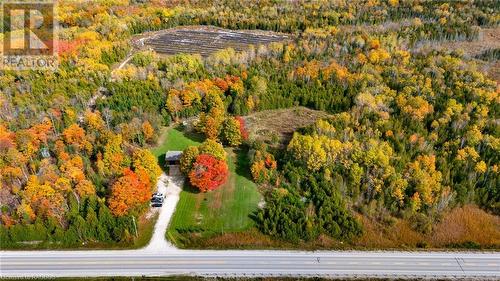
<point>227,209</point>
<point>175,139</point>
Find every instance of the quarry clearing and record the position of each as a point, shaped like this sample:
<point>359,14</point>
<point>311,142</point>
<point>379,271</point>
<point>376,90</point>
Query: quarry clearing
<point>204,40</point>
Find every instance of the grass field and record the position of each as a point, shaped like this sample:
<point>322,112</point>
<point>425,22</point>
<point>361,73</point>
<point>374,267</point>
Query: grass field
<point>227,209</point>
<point>175,139</point>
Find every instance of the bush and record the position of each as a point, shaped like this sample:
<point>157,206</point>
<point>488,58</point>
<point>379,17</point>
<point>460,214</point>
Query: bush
<point>421,223</point>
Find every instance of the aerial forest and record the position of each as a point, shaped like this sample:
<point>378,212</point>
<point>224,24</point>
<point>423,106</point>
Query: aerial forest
<point>412,129</point>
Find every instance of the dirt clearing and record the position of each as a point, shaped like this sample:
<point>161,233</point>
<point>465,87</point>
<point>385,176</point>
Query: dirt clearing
<point>278,125</point>
<point>205,40</point>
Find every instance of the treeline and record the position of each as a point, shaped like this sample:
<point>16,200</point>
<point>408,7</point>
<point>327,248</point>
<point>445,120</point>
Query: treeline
<point>412,140</point>
<point>82,184</point>
<point>87,222</point>
<point>298,16</point>
<point>304,205</point>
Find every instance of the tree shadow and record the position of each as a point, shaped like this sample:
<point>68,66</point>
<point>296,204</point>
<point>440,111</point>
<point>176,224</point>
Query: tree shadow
<point>162,163</point>
<point>187,187</point>
<point>194,136</point>
<point>190,133</point>
<point>254,215</point>
<point>243,163</point>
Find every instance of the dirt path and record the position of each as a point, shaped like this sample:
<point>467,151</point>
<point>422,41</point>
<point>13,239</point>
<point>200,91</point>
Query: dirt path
<point>125,61</point>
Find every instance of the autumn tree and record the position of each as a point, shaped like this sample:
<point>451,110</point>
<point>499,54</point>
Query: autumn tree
<point>188,157</point>
<point>93,121</point>
<point>114,159</point>
<point>211,119</point>
<point>74,135</point>
<point>43,198</point>
<point>211,123</point>
<point>144,159</point>
<point>147,131</point>
<point>208,173</point>
<point>425,178</point>
<point>264,167</point>
<point>213,148</point>
<point>231,131</point>
<point>129,192</point>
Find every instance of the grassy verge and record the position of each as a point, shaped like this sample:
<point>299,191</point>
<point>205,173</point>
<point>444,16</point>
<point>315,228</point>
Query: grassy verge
<point>463,228</point>
<point>225,210</point>
<point>145,229</point>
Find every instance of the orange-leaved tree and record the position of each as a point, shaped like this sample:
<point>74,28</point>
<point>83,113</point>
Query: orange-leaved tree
<point>208,173</point>
<point>129,192</point>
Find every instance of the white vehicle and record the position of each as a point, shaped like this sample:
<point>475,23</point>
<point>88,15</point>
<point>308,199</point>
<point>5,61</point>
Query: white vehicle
<point>158,194</point>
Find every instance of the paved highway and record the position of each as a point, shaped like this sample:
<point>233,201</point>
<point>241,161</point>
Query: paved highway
<point>250,263</point>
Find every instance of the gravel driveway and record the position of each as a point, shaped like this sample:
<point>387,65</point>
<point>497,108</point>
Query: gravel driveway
<point>171,186</point>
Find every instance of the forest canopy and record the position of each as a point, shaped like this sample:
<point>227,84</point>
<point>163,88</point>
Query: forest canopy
<point>411,133</point>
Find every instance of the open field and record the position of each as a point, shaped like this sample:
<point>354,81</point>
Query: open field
<point>227,209</point>
<point>281,123</point>
<point>176,139</point>
<point>207,40</point>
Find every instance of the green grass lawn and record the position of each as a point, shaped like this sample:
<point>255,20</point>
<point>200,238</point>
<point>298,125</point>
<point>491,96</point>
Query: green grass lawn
<point>227,209</point>
<point>175,139</point>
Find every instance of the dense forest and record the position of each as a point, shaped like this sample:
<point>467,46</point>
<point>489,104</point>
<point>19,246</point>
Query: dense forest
<point>412,134</point>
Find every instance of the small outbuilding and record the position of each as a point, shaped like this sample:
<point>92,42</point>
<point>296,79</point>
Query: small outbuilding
<point>173,157</point>
<point>172,161</point>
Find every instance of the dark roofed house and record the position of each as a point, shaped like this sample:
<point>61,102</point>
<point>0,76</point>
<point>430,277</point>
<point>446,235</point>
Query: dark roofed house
<point>172,160</point>
<point>173,157</point>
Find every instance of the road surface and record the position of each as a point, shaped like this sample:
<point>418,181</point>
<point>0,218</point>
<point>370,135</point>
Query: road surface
<point>482,266</point>
<point>160,258</point>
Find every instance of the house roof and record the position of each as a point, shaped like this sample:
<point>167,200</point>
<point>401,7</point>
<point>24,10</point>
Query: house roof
<point>173,155</point>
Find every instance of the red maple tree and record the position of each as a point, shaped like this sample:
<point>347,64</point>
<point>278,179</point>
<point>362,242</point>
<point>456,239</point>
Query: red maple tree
<point>208,173</point>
